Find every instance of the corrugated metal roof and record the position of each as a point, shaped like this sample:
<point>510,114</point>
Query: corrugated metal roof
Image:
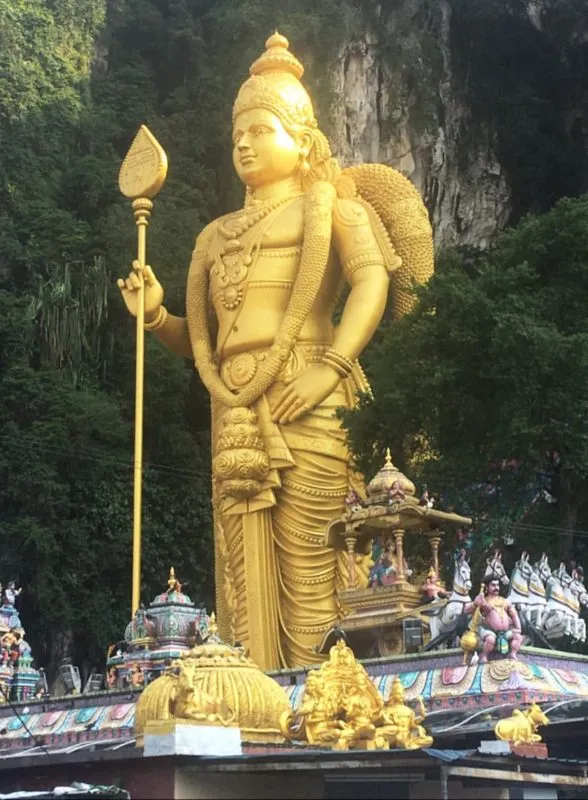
<point>448,755</point>
<point>76,791</point>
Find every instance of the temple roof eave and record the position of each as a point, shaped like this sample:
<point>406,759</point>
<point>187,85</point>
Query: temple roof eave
<point>372,521</point>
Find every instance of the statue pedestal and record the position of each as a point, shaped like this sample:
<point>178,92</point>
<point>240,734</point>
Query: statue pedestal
<point>183,738</point>
<point>499,748</point>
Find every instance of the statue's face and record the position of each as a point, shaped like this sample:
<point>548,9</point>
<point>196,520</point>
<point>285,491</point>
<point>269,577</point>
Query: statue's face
<point>263,151</point>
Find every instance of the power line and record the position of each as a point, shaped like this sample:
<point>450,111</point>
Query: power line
<point>23,722</point>
<point>29,442</point>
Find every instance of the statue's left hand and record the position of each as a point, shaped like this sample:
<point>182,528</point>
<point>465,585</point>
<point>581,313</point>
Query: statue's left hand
<point>305,392</point>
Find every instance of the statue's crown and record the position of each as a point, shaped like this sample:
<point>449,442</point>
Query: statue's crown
<point>275,85</point>
<point>277,56</point>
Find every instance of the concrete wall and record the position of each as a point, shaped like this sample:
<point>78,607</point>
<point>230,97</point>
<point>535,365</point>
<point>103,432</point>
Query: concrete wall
<point>431,790</point>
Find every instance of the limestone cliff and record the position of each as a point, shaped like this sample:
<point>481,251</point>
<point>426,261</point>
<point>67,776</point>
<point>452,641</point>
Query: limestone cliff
<point>432,88</point>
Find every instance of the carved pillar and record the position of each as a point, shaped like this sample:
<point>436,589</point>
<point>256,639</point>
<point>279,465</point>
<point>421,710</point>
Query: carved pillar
<point>435,541</point>
<point>398,539</point>
<point>350,542</point>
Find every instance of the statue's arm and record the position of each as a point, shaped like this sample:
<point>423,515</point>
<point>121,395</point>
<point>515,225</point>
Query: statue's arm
<point>365,270</point>
<point>514,618</point>
<point>175,333</point>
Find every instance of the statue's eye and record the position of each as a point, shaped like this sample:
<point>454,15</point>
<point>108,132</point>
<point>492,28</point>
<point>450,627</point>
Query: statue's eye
<point>260,130</point>
<point>237,137</point>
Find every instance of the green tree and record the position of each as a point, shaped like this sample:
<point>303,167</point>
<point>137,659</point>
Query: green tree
<point>492,366</point>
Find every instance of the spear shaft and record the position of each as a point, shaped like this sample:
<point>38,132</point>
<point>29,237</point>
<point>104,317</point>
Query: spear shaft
<point>141,176</point>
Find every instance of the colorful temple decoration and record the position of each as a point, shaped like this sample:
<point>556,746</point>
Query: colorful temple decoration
<point>156,636</point>
<point>19,680</point>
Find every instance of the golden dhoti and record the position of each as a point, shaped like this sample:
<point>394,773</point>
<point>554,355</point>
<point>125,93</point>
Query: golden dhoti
<point>275,578</point>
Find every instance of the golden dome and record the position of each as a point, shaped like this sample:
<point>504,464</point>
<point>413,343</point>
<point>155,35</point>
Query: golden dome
<point>387,477</point>
<point>224,679</point>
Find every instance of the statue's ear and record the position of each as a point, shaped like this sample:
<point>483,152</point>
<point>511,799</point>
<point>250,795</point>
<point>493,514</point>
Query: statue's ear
<point>305,142</point>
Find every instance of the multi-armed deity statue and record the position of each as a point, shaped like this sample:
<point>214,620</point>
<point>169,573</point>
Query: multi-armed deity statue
<point>262,288</point>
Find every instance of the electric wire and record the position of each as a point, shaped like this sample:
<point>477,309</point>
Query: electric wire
<point>22,720</point>
<point>28,441</point>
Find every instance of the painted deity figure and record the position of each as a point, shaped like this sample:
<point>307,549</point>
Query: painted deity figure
<point>262,289</point>
<point>433,589</point>
<point>384,570</point>
<point>11,593</point>
<point>498,626</point>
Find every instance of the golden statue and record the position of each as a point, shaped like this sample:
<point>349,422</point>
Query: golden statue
<point>341,707</point>
<point>521,727</point>
<point>262,288</point>
<point>401,722</point>
<point>214,684</point>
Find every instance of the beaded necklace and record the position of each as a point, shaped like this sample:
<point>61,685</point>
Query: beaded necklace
<point>235,257</point>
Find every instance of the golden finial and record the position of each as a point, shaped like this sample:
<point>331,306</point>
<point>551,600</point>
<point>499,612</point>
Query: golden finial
<point>212,626</point>
<point>277,56</point>
<point>389,477</point>
<point>171,582</point>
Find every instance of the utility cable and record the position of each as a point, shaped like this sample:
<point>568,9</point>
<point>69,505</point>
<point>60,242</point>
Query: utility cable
<point>22,720</point>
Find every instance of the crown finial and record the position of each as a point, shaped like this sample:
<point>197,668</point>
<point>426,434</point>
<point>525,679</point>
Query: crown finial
<point>277,40</point>
<point>212,626</point>
<point>388,456</point>
<point>277,57</point>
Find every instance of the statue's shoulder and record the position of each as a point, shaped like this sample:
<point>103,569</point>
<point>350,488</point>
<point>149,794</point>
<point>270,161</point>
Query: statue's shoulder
<point>350,213</point>
<point>207,233</point>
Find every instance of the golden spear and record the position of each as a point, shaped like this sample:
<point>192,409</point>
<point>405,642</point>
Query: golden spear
<point>141,176</point>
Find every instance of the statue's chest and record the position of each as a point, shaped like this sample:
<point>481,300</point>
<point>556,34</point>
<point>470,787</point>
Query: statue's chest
<point>242,248</point>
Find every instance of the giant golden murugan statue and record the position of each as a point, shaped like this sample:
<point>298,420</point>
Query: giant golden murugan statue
<point>262,288</point>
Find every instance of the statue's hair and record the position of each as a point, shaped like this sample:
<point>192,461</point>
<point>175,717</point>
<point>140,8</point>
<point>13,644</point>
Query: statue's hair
<point>491,578</point>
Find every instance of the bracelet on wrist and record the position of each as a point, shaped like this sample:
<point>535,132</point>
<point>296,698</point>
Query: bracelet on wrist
<point>340,363</point>
<point>159,321</point>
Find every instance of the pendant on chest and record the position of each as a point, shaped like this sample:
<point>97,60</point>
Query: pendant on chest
<point>230,270</point>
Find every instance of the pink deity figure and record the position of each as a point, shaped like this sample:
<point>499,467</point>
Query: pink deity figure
<point>353,501</point>
<point>499,628</point>
<point>432,589</point>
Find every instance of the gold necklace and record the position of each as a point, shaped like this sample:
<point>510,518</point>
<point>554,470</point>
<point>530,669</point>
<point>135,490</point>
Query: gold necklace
<point>233,262</point>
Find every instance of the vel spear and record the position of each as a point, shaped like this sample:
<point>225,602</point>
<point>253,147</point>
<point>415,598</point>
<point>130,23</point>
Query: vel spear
<point>141,176</point>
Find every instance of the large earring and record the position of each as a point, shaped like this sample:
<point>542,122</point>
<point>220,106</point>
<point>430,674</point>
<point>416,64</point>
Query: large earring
<point>305,165</point>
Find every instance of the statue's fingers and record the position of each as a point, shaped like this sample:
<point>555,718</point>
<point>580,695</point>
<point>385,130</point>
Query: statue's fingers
<point>149,275</point>
<point>135,280</point>
<point>292,408</point>
<point>136,266</point>
<point>283,407</point>
<point>129,284</point>
<point>297,413</point>
<point>283,402</point>
<point>120,283</point>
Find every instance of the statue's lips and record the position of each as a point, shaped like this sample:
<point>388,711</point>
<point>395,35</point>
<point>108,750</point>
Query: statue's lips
<point>244,160</point>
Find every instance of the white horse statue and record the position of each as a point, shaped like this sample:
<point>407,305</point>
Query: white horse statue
<point>446,619</point>
<point>540,574</point>
<point>518,593</point>
<point>495,568</point>
<point>527,588</point>
<point>562,614</point>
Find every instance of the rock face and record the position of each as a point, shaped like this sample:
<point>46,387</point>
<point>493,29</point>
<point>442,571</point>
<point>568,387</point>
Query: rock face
<point>398,102</point>
<point>401,99</point>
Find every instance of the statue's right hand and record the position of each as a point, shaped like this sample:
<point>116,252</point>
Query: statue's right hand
<point>153,291</point>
